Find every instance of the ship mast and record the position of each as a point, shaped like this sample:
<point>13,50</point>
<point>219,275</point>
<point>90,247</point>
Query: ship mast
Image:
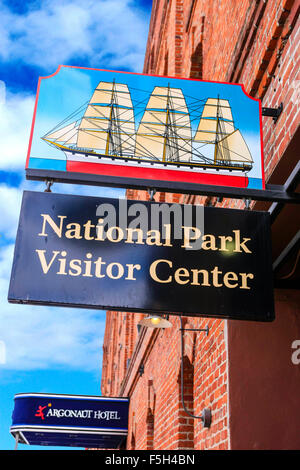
<point>108,138</point>
<point>171,152</point>
<point>221,152</point>
<point>217,129</point>
<point>166,136</point>
<point>164,132</point>
<point>113,131</point>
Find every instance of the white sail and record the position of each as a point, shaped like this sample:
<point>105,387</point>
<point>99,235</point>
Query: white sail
<point>209,129</point>
<point>216,127</point>
<point>107,127</point>
<point>66,133</point>
<point>164,132</point>
<point>217,107</point>
<point>216,121</point>
<point>233,148</point>
<point>108,122</point>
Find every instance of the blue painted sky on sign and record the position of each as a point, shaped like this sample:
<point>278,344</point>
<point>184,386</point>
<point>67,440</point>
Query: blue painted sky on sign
<point>70,89</point>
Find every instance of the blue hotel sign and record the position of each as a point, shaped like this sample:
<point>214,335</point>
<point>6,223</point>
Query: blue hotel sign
<point>70,420</point>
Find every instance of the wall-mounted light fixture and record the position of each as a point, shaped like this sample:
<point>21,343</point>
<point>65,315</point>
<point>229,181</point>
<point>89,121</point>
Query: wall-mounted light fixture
<point>155,321</point>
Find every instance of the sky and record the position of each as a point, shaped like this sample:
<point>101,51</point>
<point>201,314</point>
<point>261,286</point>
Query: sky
<point>51,349</point>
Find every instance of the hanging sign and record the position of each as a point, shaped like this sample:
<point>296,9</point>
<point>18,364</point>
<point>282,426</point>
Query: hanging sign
<point>70,420</point>
<point>142,257</point>
<point>131,130</point>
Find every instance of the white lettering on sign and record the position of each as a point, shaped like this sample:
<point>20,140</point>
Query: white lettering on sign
<point>83,414</point>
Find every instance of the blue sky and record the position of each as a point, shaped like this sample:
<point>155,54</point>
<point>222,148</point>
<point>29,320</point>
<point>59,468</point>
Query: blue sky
<point>45,349</point>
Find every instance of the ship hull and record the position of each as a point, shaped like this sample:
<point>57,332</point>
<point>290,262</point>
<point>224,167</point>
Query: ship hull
<point>179,172</point>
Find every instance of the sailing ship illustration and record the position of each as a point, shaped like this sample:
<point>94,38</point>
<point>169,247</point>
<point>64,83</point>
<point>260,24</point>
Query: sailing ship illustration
<point>108,138</point>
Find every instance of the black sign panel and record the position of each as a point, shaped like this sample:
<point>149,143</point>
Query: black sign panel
<point>143,257</point>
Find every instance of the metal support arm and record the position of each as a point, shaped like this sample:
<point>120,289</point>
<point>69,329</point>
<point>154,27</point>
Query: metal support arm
<point>272,112</point>
<point>206,413</point>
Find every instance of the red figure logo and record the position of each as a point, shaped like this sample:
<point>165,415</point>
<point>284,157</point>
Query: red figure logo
<point>40,412</point>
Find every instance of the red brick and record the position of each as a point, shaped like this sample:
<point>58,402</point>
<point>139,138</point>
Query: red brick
<point>262,51</point>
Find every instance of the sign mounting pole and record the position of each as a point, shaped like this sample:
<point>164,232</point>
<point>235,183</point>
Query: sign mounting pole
<point>16,441</point>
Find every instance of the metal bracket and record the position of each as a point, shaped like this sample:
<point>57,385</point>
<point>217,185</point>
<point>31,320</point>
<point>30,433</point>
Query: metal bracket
<point>272,193</point>
<point>206,417</point>
<point>17,437</point>
<point>206,413</point>
<point>49,183</point>
<point>206,329</point>
<point>291,245</point>
<point>151,192</point>
<point>272,112</point>
<point>247,204</point>
<point>289,187</point>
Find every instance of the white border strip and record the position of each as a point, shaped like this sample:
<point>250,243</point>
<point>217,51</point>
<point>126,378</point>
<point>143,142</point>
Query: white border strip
<point>101,431</point>
<point>80,397</point>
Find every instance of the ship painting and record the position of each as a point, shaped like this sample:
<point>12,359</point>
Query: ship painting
<point>168,142</point>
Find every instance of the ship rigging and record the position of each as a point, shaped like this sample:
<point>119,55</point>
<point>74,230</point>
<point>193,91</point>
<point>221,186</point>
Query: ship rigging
<point>161,129</point>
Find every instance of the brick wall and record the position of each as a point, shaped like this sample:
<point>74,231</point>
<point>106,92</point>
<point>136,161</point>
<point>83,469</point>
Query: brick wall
<point>157,417</point>
<point>254,43</point>
<point>250,42</point>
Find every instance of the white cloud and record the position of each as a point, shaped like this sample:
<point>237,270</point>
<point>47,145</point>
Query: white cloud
<point>60,30</point>
<point>16,112</point>
<point>36,337</point>
<point>10,202</point>
<point>103,33</point>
